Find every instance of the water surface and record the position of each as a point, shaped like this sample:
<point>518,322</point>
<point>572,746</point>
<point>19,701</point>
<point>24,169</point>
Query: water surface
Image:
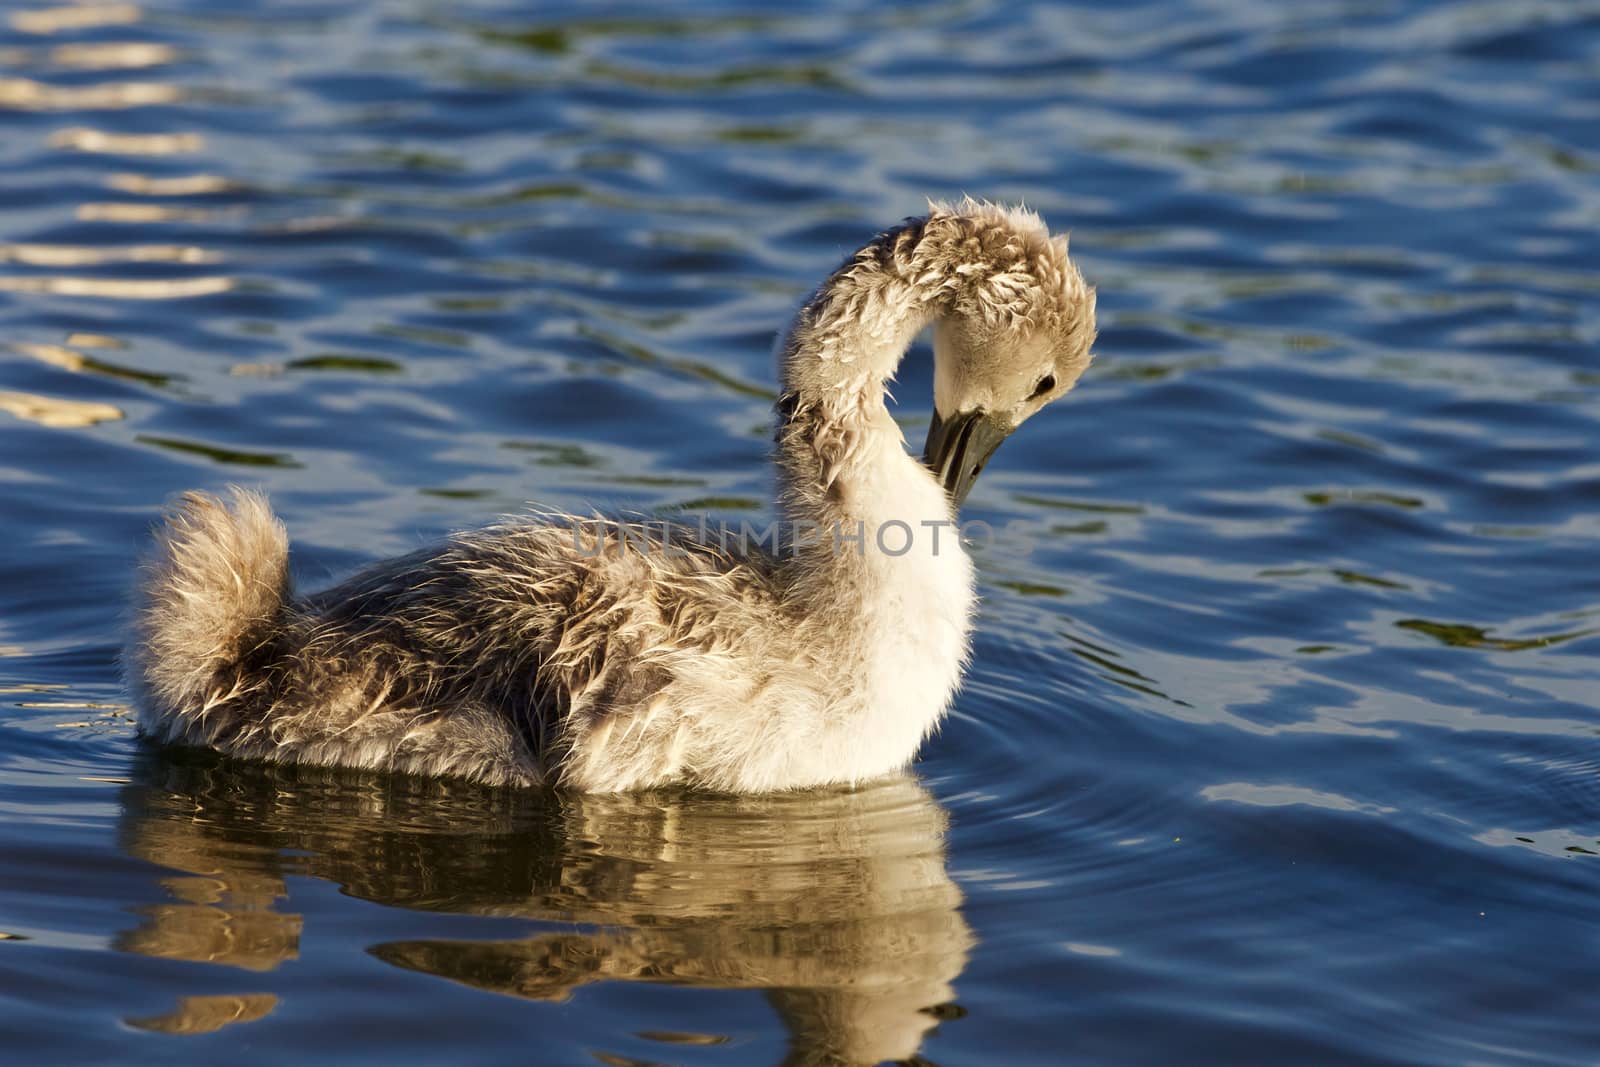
<point>1280,745</point>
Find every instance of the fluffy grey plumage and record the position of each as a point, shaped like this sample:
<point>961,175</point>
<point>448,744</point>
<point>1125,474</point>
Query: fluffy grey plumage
<point>532,651</point>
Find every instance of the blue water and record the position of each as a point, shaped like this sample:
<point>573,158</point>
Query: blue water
<point>1281,746</point>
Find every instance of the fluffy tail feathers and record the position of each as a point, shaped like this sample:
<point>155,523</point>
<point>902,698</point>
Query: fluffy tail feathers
<point>210,597</point>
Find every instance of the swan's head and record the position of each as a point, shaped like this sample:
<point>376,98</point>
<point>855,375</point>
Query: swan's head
<point>1015,336</point>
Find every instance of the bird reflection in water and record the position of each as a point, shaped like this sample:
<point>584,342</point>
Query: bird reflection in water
<point>836,904</point>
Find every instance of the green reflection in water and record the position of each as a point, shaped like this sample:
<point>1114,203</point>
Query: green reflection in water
<point>637,353</point>
<point>1362,496</point>
<point>653,480</point>
<point>455,494</point>
<point>231,456</point>
<point>1033,588</point>
<point>427,335</point>
<point>1156,371</point>
<point>1460,635</point>
<point>1348,577</point>
<point>1064,504</point>
<point>556,454</point>
<point>719,503</point>
<point>338,361</point>
<point>1118,673</point>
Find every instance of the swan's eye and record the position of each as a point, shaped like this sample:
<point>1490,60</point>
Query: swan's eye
<point>1047,383</point>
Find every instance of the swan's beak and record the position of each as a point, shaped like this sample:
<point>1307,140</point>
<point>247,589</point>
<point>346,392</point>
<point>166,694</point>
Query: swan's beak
<point>958,448</point>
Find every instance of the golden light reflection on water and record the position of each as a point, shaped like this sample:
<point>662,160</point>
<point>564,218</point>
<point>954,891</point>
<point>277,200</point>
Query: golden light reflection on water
<point>25,94</point>
<point>81,16</point>
<point>70,359</point>
<point>94,340</point>
<point>115,212</point>
<point>120,288</point>
<point>87,139</point>
<point>84,255</point>
<point>208,1014</point>
<point>188,185</point>
<point>55,412</point>
<point>229,917</point>
<point>836,905</point>
<point>114,55</point>
<point>55,355</point>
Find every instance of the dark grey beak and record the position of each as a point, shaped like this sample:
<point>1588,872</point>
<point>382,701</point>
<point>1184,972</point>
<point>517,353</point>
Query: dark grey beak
<point>958,448</point>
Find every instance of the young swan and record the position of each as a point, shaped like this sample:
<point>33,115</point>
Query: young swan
<point>593,655</point>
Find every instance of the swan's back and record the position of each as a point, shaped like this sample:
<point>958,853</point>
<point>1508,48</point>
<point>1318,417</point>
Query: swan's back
<point>493,655</point>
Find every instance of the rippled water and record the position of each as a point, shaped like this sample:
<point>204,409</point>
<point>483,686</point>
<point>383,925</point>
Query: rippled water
<point>1281,746</point>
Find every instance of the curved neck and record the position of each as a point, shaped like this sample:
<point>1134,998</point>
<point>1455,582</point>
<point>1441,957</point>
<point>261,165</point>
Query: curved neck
<point>874,514</point>
<point>846,341</point>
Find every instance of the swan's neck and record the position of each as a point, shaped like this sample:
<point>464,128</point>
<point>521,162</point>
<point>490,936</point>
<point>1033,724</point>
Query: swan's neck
<point>836,440</point>
<point>884,569</point>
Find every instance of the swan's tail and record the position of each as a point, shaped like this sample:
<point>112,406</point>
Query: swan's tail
<point>210,599</point>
